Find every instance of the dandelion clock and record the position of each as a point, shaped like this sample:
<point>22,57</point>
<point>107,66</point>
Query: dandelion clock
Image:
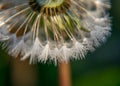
<point>55,30</point>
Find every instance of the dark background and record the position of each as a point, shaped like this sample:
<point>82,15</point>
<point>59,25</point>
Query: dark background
<point>101,68</point>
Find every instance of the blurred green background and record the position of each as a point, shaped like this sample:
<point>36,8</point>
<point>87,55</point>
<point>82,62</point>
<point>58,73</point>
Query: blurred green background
<point>101,68</point>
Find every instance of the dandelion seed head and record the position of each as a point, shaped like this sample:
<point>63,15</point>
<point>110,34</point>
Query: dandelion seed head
<point>56,30</point>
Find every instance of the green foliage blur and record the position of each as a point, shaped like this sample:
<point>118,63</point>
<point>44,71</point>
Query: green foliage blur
<point>101,68</point>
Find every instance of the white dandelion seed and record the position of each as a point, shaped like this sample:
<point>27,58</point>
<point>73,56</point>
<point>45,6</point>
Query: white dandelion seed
<point>57,30</point>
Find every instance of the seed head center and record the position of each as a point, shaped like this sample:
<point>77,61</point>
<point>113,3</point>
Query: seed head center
<point>50,7</point>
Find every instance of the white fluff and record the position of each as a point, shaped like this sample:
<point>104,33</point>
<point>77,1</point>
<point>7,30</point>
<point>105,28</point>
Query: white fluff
<point>20,48</point>
<point>45,53</point>
<point>64,53</point>
<point>35,50</point>
<point>84,26</point>
<point>54,55</point>
<point>79,50</point>
<point>3,38</point>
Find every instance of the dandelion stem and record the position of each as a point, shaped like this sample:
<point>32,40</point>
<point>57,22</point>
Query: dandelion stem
<point>64,74</point>
<point>23,74</point>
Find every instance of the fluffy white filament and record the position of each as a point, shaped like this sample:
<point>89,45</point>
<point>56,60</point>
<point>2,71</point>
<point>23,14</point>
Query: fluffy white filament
<point>55,36</point>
